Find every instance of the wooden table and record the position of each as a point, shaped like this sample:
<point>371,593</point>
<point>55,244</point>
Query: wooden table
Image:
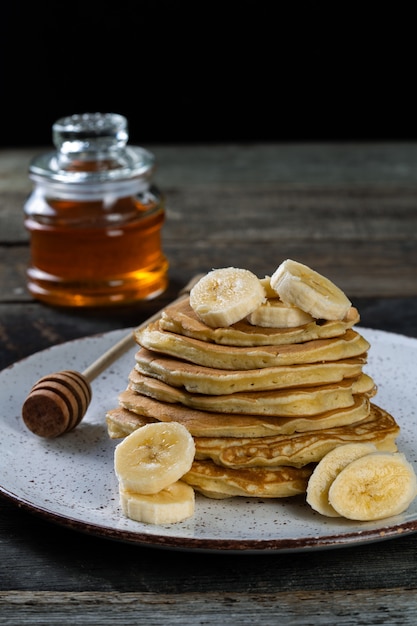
<point>349,211</point>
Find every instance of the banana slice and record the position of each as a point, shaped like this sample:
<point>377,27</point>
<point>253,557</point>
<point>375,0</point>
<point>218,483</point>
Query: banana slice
<point>225,296</point>
<point>326,471</point>
<point>275,314</point>
<point>171,505</point>
<point>266,284</point>
<point>299,285</point>
<point>154,457</point>
<point>373,487</point>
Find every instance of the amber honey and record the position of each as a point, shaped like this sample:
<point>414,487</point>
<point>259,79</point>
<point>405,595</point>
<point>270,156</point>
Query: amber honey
<point>92,245</point>
<point>80,259</point>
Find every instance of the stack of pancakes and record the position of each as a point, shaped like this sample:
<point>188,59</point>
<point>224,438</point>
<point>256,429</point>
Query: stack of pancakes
<point>264,405</point>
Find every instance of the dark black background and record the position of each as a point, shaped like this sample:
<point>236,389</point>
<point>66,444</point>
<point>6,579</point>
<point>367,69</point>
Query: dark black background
<point>211,71</point>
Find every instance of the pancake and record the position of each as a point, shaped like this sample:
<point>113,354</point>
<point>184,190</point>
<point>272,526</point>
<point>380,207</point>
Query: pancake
<point>282,403</point>
<point>121,422</point>
<point>180,318</point>
<point>299,449</point>
<point>285,468</point>
<point>135,410</point>
<point>221,482</point>
<point>216,381</point>
<point>349,345</point>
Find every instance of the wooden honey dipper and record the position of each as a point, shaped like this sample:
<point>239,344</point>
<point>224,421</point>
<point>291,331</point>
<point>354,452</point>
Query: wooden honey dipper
<point>58,402</point>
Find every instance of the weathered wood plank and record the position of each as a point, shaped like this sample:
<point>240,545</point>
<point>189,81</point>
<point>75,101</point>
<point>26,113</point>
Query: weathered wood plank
<point>267,211</point>
<point>361,268</point>
<point>345,608</point>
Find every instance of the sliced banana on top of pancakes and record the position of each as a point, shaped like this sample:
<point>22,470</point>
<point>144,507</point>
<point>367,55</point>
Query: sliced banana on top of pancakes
<point>294,295</point>
<point>227,295</point>
<point>300,286</point>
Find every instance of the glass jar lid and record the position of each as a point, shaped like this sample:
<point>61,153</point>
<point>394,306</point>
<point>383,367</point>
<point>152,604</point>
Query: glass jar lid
<point>91,150</point>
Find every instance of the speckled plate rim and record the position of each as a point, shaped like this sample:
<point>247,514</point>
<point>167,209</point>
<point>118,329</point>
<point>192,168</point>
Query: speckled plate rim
<point>70,480</point>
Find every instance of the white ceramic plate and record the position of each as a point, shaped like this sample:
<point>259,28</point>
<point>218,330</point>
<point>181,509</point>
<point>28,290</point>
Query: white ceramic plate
<point>70,480</point>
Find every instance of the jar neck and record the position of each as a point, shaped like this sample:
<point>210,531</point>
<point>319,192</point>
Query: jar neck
<point>89,191</point>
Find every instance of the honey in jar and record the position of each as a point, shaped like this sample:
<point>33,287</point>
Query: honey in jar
<point>94,217</point>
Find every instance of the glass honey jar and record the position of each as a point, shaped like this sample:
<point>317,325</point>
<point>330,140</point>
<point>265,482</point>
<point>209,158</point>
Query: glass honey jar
<point>94,217</point>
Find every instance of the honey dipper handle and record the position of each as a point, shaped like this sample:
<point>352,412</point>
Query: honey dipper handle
<point>127,342</point>
<point>109,357</point>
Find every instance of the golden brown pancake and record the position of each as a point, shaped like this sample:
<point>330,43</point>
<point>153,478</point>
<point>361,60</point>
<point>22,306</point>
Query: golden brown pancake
<point>283,465</point>
<point>135,410</point>
<point>121,422</point>
<point>181,319</point>
<point>349,345</point>
<point>215,381</point>
<point>221,482</point>
<point>297,450</point>
<point>282,403</point>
